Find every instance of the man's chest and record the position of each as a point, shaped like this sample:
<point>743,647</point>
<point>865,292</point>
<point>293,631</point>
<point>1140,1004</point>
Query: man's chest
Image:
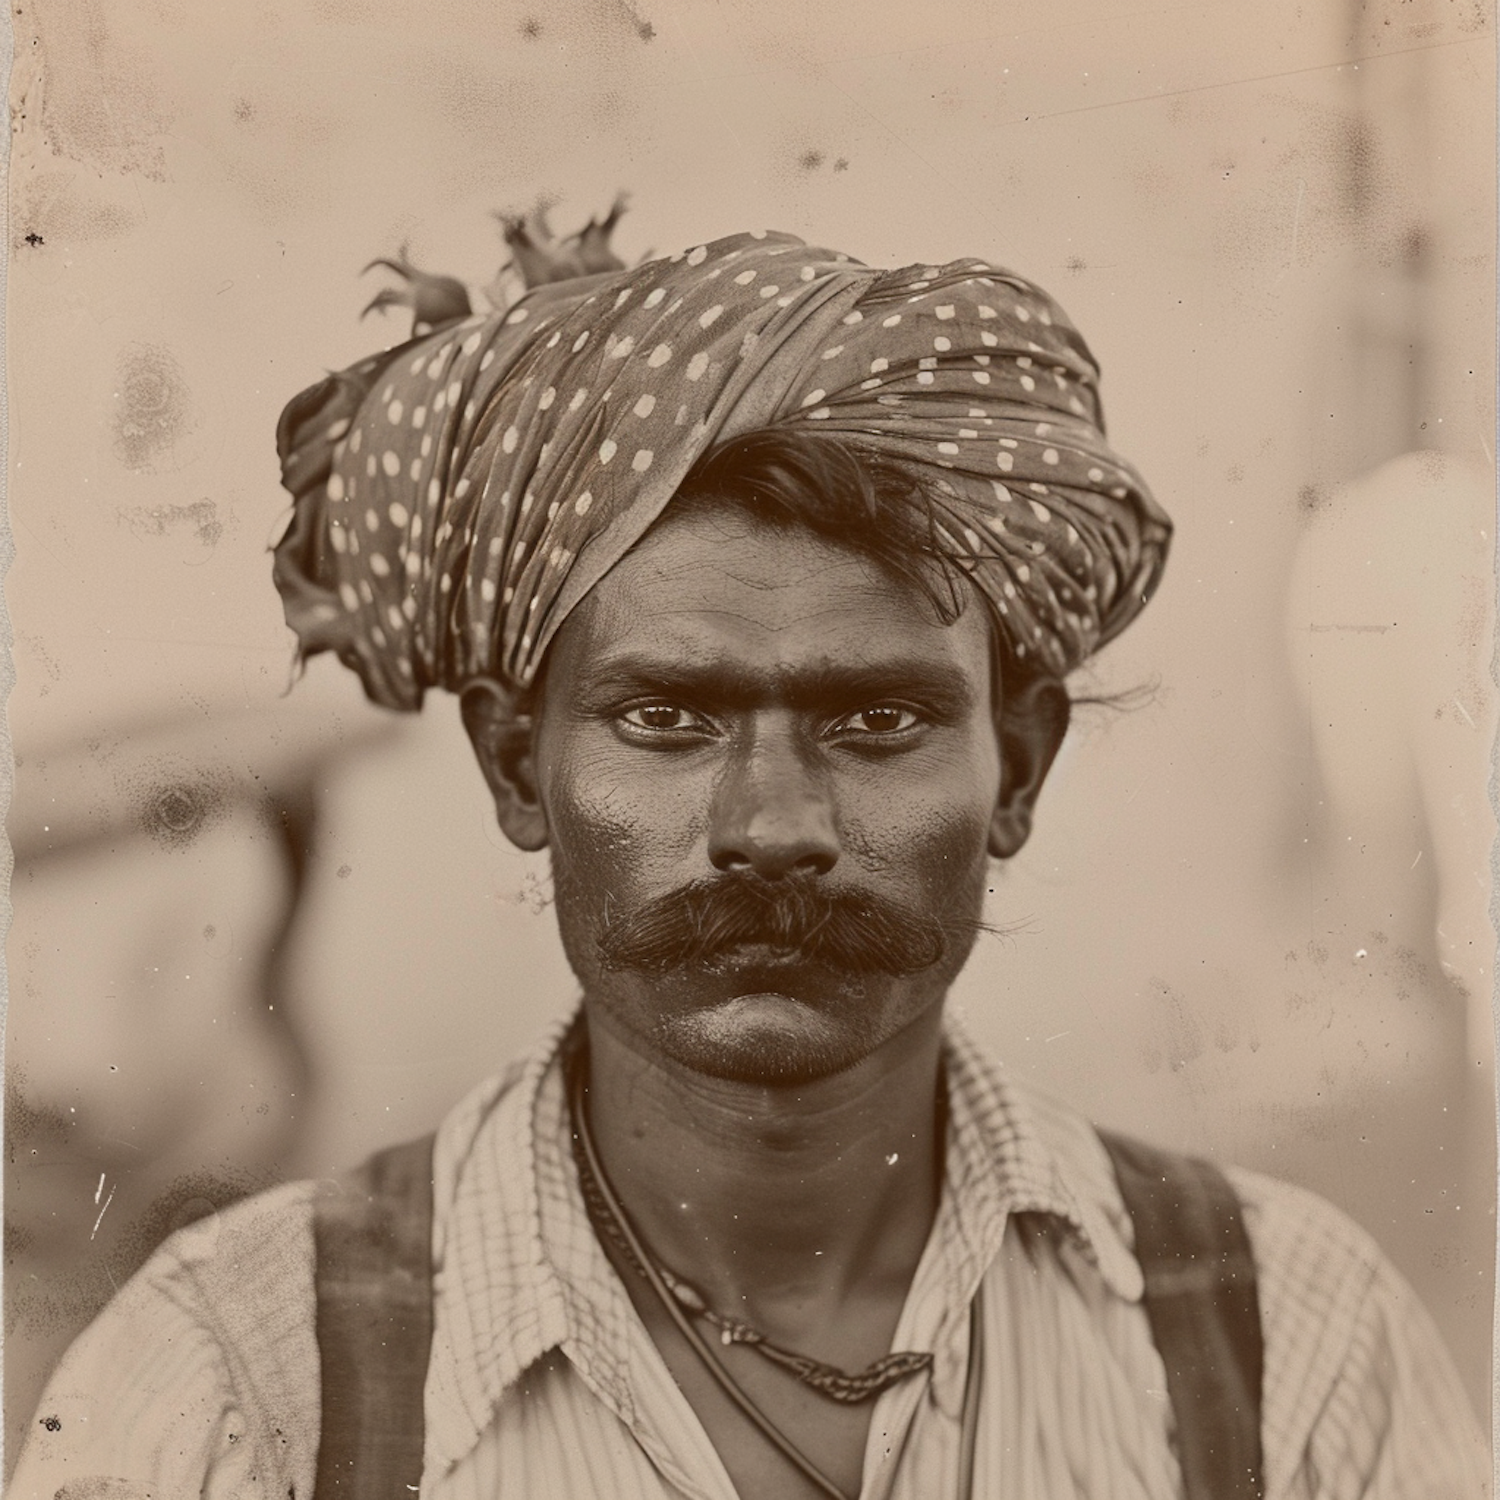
<point>1073,1407</point>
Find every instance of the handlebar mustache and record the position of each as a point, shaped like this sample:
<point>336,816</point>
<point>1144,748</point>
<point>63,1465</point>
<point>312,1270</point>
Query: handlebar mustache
<point>850,929</point>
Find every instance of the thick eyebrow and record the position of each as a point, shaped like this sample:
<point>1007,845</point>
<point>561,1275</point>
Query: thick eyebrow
<point>940,687</point>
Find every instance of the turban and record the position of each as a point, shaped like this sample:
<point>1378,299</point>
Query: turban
<point>457,496</point>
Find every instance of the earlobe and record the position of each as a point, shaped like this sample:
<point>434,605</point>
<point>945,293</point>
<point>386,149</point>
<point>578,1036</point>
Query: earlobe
<point>1030,723</point>
<point>503,741</point>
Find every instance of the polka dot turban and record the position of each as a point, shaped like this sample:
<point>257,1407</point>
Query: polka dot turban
<point>457,496</point>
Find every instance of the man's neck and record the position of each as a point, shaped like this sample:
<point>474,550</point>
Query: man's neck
<point>777,1203</point>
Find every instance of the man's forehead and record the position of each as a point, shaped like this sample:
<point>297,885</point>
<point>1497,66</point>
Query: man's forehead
<point>706,593</point>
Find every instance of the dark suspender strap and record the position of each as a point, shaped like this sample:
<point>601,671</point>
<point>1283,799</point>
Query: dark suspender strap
<point>372,1233</point>
<point>372,1237</point>
<point>1204,1311</point>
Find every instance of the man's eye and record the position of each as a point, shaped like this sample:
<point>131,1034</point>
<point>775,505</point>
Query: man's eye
<point>659,716</point>
<point>884,718</point>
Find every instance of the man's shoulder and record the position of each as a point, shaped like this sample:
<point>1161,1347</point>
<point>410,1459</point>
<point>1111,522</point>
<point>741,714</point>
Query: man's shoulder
<point>268,1238</point>
<point>1320,1275</point>
<point>1308,1253</point>
<point>229,1252</point>
<point>238,1283</point>
<point>215,1333</point>
<point>1293,1227</point>
<point>218,1329</point>
<point>270,1235</point>
<point>1324,1287</point>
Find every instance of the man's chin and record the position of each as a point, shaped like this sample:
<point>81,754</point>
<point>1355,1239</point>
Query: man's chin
<point>767,1038</point>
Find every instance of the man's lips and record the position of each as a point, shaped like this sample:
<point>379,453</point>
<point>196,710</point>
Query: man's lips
<point>765,969</point>
<point>742,956</point>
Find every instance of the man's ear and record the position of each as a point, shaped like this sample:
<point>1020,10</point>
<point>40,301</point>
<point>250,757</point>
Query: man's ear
<point>503,739</point>
<point>1030,722</point>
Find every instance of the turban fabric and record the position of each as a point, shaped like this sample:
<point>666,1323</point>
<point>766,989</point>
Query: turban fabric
<point>457,496</point>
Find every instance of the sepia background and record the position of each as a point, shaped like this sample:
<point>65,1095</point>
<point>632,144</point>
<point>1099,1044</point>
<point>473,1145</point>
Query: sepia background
<point>258,932</point>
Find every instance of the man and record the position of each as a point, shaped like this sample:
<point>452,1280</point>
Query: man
<point>758,573</point>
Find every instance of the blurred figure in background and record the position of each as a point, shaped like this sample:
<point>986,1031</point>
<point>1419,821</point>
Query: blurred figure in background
<point>158,1065</point>
<point>1390,621</point>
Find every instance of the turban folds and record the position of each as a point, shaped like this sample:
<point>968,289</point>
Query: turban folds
<point>457,496</point>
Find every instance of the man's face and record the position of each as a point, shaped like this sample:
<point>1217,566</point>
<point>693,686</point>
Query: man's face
<point>764,719</point>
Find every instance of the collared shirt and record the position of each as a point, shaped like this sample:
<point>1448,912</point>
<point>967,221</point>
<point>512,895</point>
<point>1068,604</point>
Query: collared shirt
<point>202,1377</point>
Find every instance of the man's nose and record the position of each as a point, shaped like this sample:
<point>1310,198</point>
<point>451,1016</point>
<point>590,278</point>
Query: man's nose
<point>773,816</point>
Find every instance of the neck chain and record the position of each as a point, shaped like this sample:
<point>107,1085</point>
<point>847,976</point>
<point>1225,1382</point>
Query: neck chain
<point>683,1303</point>
<point>827,1380</point>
